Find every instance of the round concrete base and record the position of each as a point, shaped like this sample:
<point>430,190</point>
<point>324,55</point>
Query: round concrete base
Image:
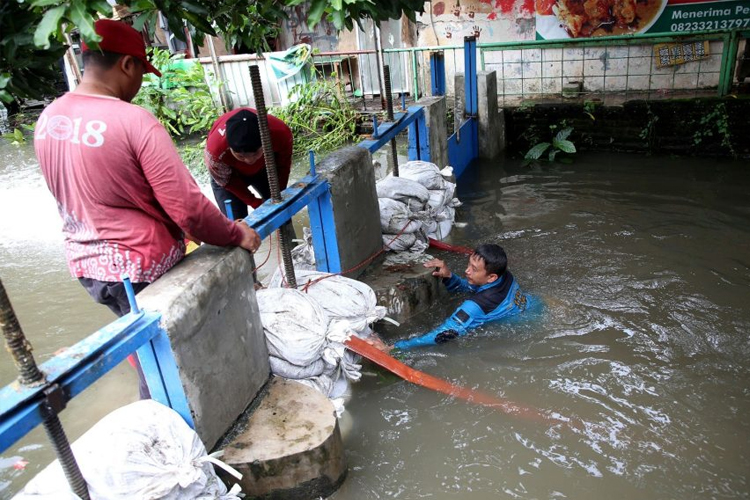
<point>292,446</point>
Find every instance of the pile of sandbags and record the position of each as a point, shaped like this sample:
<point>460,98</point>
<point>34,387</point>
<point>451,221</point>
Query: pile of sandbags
<point>142,450</point>
<point>306,329</point>
<point>416,206</point>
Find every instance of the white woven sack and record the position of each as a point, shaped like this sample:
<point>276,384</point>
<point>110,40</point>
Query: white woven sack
<point>395,217</point>
<point>400,189</point>
<point>423,172</point>
<point>343,298</point>
<point>284,368</point>
<point>142,450</point>
<point>294,324</point>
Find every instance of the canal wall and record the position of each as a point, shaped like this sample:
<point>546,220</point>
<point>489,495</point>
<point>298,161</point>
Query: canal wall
<point>714,127</point>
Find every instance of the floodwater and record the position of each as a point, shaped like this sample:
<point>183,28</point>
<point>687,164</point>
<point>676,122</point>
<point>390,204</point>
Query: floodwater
<point>644,267</point>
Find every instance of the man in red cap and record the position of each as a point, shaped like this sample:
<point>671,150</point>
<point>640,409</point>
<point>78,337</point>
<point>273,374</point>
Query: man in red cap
<point>234,158</point>
<point>125,197</point>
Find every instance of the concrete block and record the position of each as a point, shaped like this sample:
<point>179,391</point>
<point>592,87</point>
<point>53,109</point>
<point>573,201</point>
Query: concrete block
<point>356,213</point>
<point>291,447</point>
<point>487,115</point>
<point>209,311</point>
<point>435,114</point>
<point>405,290</point>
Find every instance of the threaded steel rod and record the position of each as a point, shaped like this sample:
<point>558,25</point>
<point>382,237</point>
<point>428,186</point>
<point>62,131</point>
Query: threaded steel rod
<point>273,175</point>
<point>16,343</point>
<point>30,375</point>
<point>389,106</point>
<point>64,453</point>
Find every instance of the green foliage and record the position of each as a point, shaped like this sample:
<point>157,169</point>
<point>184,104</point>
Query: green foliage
<point>16,137</point>
<point>588,109</point>
<point>559,144</point>
<point>181,99</point>
<point>26,71</point>
<point>320,118</point>
<point>715,122</point>
<point>648,133</point>
<point>28,26</point>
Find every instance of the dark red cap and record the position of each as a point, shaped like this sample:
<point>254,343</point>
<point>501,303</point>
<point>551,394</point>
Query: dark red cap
<point>121,38</point>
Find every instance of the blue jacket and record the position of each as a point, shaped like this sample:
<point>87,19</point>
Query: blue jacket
<point>490,302</point>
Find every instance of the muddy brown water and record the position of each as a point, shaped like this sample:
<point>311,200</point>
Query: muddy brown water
<point>643,266</point>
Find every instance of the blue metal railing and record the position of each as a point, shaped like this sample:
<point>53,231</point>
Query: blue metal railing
<point>463,146</point>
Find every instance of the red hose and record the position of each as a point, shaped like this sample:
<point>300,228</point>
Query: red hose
<point>450,248</point>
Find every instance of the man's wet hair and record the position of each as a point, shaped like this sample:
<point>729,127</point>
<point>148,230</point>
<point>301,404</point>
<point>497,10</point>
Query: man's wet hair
<point>100,58</point>
<point>495,260</point>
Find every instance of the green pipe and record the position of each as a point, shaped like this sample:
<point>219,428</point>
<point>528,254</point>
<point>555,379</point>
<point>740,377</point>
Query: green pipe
<point>415,69</point>
<point>728,61</point>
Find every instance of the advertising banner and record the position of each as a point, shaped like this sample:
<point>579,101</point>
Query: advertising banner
<point>557,19</point>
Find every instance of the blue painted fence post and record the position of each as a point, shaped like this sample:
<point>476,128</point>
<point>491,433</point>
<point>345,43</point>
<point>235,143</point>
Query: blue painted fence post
<point>323,227</point>
<point>437,73</point>
<point>471,91</point>
<point>159,366</point>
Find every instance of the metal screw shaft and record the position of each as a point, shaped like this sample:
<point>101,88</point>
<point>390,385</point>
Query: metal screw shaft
<point>273,176</point>
<point>389,104</point>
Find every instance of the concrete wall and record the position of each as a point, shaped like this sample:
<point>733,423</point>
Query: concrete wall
<point>659,127</point>
<point>209,310</point>
<point>435,113</point>
<point>356,213</point>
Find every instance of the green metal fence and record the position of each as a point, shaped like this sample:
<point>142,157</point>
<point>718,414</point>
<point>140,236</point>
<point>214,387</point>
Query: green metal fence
<point>614,67</point>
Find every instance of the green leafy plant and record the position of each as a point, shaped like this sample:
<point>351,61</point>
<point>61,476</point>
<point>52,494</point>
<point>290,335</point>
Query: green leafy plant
<point>559,144</point>
<point>181,99</point>
<point>588,109</point>
<point>715,122</point>
<point>648,133</point>
<point>320,118</point>
<point>16,137</point>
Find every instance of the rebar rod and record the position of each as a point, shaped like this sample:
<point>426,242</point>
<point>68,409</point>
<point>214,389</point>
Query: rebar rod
<point>273,175</point>
<point>389,107</point>
<point>31,376</point>
<point>19,348</point>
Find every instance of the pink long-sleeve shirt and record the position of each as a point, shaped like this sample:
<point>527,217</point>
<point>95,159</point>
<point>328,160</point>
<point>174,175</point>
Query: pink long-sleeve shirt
<point>123,193</point>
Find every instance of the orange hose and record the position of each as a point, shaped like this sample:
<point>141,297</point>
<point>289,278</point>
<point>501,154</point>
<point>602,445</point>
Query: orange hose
<point>417,377</point>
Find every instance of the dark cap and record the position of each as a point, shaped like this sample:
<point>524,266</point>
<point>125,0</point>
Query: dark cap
<point>120,38</point>
<point>243,133</point>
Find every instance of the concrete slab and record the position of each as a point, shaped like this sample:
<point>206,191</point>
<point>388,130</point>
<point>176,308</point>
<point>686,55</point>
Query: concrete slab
<point>405,290</point>
<point>356,213</point>
<point>209,311</point>
<point>291,446</point>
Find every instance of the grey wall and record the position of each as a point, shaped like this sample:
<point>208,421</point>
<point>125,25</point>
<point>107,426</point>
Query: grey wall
<point>210,313</point>
<point>355,205</point>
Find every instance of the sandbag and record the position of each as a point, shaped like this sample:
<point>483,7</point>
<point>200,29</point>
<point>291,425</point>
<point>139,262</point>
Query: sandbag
<point>440,198</point>
<point>395,217</point>
<point>342,298</point>
<point>286,369</point>
<point>423,172</point>
<point>404,190</point>
<point>412,242</point>
<point>142,450</point>
<point>444,219</point>
<point>303,256</point>
<point>294,324</point>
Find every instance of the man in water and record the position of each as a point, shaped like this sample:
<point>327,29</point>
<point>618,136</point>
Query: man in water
<point>496,296</point>
<point>234,158</point>
<point>126,199</point>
